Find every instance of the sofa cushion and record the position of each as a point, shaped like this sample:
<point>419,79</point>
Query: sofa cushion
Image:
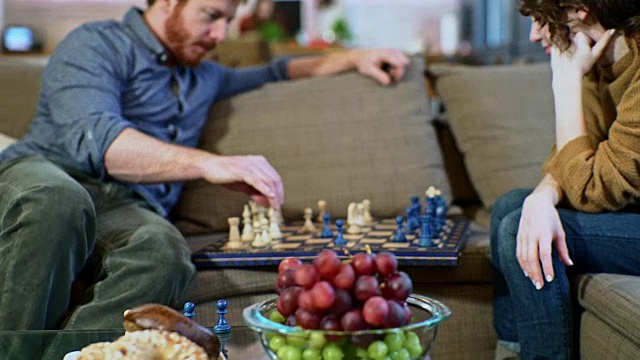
<point>343,138</point>
<point>502,120</point>
<point>20,79</point>
<point>614,300</point>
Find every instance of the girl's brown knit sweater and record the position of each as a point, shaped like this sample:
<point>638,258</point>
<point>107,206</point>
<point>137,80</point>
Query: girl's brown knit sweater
<point>600,171</point>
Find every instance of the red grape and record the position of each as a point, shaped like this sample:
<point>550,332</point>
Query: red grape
<point>285,279</point>
<point>327,263</point>
<point>363,264</point>
<point>342,303</point>
<point>396,317</point>
<point>386,263</point>
<point>287,303</point>
<point>375,311</point>
<point>323,295</point>
<point>397,286</point>
<point>366,286</point>
<point>305,300</point>
<point>345,278</point>
<point>330,322</point>
<point>305,275</point>
<point>407,313</point>
<point>307,319</point>
<point>288,263</point>
<point>352,321</point>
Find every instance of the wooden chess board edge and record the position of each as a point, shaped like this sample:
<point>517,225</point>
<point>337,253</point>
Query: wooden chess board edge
<point>211,258</point>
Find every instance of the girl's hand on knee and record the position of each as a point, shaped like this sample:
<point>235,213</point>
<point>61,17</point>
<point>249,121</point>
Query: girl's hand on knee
<point>539,227</point>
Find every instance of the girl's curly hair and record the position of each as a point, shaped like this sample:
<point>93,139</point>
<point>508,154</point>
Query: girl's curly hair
<point>622,15</point>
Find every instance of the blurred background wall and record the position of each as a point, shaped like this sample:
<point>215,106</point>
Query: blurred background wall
<point>479,30</point>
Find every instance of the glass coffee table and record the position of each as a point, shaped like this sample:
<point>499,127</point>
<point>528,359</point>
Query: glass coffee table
<point>241,343</point>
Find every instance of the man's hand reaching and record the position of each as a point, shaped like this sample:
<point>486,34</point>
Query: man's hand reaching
<point>386,66</point>
<point>252,175</point>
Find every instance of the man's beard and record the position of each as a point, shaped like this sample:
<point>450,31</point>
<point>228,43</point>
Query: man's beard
<point>178,38</point>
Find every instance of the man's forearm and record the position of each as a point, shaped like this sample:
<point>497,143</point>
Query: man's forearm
<point>320,65</point>
<point>137,157</point>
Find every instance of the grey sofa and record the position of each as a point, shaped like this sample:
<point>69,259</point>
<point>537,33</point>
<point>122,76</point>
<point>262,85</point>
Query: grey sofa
<point>345,138</point>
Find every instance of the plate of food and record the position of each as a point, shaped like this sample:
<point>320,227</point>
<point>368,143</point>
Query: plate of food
<point>155,331</point>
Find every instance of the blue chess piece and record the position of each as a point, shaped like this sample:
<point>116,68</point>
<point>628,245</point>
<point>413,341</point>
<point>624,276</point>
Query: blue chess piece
<point>441,212</point>
<point>222,326</point>
<point>415,201</point>
<point>400,237</point>
<point>339,240</point>
<point>426,233</point>
<point>189,309</point>
<point>326,230</point>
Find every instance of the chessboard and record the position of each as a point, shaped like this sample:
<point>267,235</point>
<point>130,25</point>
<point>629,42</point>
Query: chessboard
<point>376,237</point>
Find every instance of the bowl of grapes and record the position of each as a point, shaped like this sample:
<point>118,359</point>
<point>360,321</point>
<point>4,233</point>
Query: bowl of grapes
<point>361,308</point>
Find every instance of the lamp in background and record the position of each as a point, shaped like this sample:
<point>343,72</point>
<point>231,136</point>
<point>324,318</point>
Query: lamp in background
<point>20,39</point>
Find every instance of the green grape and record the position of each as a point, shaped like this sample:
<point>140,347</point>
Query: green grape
<point>288,352</point>
<point>298,340</point>
<point>415,350</point>
<point>411,338</point>
<point>394,341</point>
<point>275,316</point>
<point>362,354</point>
<point>276,342</point>
<point>311,354</point>
<point>332,352</point>
<point>402,354</point>
<point>378,350</point>
<point>317,340</point>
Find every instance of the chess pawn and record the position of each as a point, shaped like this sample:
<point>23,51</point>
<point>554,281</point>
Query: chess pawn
<point>247,229</point>
<point>274,229</point>
<point>367,211</point>
<point>308,227</point>
<point>262,235</point>
<point>264,226</point>
<point>322,208</point>
<point>234,233</point>
<point>339,240</point>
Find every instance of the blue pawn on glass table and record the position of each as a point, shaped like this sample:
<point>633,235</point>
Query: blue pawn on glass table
<point>326,230</point>
<point>339,240</point>
<point>189,310</point>
<point>222,326</point>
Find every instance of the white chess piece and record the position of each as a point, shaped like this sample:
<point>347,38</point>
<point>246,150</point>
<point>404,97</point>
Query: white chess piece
<point>274,229</point>
<point>264,227</point>
<point>352,219</point>
<point>367,211</point>
<point>431,192</point>
<point>262,234</point>
<point>234,233</point>
<point>247,229</point>
<point>322,208</point>
<point>308,227</point>
<point>359,214</point>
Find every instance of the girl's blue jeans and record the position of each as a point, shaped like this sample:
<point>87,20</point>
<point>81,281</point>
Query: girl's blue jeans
<point>541,321</point>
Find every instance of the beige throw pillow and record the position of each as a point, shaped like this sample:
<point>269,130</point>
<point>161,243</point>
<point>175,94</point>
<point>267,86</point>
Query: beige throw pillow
<point>502,118</point>
<point>341,139</point>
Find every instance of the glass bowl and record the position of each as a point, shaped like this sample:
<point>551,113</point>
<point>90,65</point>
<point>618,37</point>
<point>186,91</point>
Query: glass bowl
<point>412,341</point>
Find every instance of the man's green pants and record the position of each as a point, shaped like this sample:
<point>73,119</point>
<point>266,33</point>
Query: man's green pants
<point>55,226</point>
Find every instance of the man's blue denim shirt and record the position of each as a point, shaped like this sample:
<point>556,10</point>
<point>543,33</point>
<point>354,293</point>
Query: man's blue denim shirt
<point>107,76</point>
